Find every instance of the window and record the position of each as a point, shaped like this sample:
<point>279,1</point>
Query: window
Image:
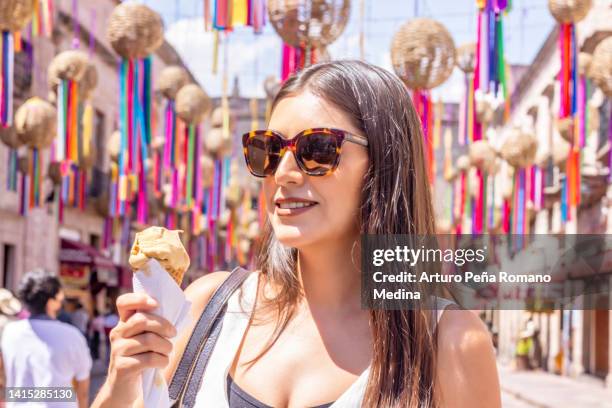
<point>99,180</point>
<point>8,266</point>
<point>99,137</point>
<point>94,240</point>
<point>23,71</point>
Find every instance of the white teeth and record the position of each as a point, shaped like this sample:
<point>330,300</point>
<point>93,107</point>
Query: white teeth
<point>289,205</point>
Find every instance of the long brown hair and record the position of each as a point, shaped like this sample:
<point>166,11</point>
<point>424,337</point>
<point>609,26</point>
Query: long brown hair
<point>396,199</point>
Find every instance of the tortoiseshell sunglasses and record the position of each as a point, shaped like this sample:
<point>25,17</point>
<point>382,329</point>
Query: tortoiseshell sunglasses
<point>317,151</point>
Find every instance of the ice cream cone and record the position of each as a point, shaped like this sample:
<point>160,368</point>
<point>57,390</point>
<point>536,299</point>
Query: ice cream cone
<point>163,245</point>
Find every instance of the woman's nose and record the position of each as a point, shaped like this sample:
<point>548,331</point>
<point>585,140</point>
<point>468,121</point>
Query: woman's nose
<point>288,171</point>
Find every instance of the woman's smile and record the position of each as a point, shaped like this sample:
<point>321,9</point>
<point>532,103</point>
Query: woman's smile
<point>292,206</point>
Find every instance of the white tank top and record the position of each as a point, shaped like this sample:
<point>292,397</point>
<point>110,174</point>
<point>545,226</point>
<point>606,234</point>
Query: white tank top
<point>213,391</point>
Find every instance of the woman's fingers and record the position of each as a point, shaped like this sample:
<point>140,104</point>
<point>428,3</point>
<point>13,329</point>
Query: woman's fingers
<point>142,343</point>
<point>141,322</point>
<point>129,303</point>
<point>136,363</point>
<point>141,339</point>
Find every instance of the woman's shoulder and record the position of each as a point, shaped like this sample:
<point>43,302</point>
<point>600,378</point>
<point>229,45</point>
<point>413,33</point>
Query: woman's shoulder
<point>466,357</point>
<point>461,330</point>
<point>201,290</point>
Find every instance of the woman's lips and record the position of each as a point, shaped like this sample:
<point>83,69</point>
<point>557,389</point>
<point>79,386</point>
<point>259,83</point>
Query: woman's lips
<point>284,212</point>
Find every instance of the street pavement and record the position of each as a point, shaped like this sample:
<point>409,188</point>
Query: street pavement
<point>545,390</point>
<point>510,401</point>
<point>98,375</point>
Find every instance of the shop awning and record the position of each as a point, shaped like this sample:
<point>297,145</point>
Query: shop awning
<point>79,253</point>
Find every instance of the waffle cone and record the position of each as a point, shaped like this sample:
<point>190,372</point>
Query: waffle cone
<point>177,276</point>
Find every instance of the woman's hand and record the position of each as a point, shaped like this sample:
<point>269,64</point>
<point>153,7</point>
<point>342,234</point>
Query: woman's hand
<point>140,340</point>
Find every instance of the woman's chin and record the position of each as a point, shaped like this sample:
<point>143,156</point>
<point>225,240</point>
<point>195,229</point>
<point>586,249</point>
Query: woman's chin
<point>294,237</point>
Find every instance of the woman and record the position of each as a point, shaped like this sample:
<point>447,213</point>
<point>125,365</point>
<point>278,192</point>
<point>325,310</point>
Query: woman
<point>308,342</point>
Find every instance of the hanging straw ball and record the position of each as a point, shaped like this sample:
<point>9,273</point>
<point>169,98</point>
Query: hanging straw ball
<point>569,11</point>
<point>309,22</point>
<point>89,81</point>
<point>507,181</point>
<point>245,246</point>
<point>485,107</point>
<point>543,155</point>
<point>171,80</point>
<point>225,218</point>
<point>166,190</point>
<point>86,161</point>
<point>155,205</point>
<point>134,30</point>
<point>192,104</point>
<point>584,64</point>
<point>466,57</point>
<point>601,66</point>
<point>482,156</point>
<point>323,54</point>
<point>253,231</point>
<point>560,152</point>
<point>55,173</point>
<point>114,145</point>
<point>250,216</point>
<point>423,53</point>
<point>35,123</point>
<point>473,184</point>
<point>24,163</point>
<point>216,118</point>
<point>565,126</point>
<point>450,174</point>
<point>234,194</point>
<point>594,119</point>
<point>70,65</point>
<point>207,166</point>
<point>272,85</point>
<point>157,142</point>
<point>463,163</point>
<point>216,143</point>
<point>8,136</point>
<point>15,14</point>
<point>101,204</point>
<point>520,148</point>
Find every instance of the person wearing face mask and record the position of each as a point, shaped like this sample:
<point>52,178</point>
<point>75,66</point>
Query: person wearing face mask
<point>342,156</point>
<point>41,351</point>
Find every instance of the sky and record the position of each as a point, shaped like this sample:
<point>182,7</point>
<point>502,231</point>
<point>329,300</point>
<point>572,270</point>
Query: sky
<point>252,57</point>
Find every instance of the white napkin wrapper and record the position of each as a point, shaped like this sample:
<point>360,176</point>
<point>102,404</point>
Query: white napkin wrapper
<point>174,307</point>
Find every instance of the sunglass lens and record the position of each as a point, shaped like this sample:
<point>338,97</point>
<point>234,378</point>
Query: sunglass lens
<point>318,152</point>
<point>263,154</point>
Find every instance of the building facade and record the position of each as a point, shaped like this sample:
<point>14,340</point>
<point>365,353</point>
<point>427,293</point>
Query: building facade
<point>574,342</point>
<point>38,239</point>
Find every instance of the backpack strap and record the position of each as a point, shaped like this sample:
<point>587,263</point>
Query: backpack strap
<point>203,338</point>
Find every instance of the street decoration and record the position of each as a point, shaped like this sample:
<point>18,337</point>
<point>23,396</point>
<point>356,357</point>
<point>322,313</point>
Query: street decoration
<point>35,124</point>
<point>306,28</point>
<point>572,98</point>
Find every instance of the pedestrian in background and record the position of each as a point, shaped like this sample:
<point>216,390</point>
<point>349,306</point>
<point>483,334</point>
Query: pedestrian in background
<point>10,307</point>
<point>524,347</point>
<point>110,321</point>
<point>41,351</point>
<point>95,331</point>
<point>80,318</point>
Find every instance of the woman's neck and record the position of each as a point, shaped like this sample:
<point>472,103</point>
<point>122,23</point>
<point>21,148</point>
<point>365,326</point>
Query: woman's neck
<point>330,275</point>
